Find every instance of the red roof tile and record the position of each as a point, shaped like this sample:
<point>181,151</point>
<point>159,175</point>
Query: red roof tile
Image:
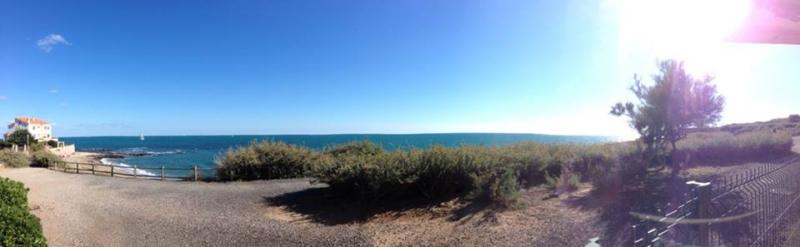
<point>29,120</point>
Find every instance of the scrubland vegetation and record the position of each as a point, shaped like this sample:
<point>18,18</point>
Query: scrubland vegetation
<point>38,158</point>
<point>17,226</point>
<point>719,148</point>
<point>14,159</point>
<point>366,172</point>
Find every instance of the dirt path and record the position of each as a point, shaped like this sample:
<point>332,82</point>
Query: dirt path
<point>86,210</point>
<point>796,147</point>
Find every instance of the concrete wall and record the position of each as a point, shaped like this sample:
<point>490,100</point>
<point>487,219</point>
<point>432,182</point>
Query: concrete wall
<point>65,150</point>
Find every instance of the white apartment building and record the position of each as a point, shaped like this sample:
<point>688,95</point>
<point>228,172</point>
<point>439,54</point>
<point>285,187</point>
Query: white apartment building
<point>39,129</point>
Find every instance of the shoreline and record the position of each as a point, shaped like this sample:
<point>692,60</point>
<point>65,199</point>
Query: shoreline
<point>86,157</point>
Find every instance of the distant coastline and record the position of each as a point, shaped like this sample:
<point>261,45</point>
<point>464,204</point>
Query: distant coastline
<point>188,151</point>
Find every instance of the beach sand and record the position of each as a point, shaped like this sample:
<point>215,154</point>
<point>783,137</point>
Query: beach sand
<point>84,157</point>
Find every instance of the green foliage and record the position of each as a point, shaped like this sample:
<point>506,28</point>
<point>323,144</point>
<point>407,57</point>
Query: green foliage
<point>14,159</point>
<point>354,148</point>
<point>676,102</point>
<point>17,226</point>
<point>13,193</point>
<point>442,172</point>
<point>495,174</point>
<point>39,146</point>
<point>794,118</point>
<point>265,160</point>
<point>43,157</point>
<point>20,137</point>
<point>714,148</point>
<point>504,188</point>
<point>4,144</point>
<point>368,173</point>
<point>367,177</point>
<point>52,143</point>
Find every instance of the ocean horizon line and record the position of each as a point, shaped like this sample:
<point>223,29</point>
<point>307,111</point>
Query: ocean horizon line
<point>345,134</point>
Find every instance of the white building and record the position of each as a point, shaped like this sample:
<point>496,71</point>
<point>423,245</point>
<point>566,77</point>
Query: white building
<point>42,131</point>
<point>39,129</point>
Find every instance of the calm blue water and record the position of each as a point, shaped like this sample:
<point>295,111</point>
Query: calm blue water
<point>187,151</point>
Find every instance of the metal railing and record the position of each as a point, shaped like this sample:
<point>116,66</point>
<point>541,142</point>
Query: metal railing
<point>759,206</point>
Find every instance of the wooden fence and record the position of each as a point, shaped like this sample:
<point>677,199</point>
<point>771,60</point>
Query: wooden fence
<point>149,172</point>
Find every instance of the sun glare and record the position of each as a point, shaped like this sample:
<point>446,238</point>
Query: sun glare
<point>694,31</point>
<point>691,30</point>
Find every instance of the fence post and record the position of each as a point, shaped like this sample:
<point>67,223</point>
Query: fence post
<point>134,171</point>
<point>92,168</point>
<point>195,173</point>
<point>703,213</point>
<point>162,173</point>
<point>77,168</point>
<point>112,170</point>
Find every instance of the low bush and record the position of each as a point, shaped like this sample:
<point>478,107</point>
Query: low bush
<point>794,118</point>
<point>715,148</point>
<point>265,160</point>
<point>365,171</point>
<point>367,177</point>
<point>43,158</point>
<point>17,226</point>
<point>14,159</point>
<point>354,148</point>
<point>4,144</point>
<point>38,146</point>
<point>13,193</point>
<point>503,188</point>
<point>52,143</point>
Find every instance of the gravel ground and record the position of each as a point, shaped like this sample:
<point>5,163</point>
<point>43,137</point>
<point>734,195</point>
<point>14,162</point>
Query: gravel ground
<point>796,147</point>
<point>86,210</point>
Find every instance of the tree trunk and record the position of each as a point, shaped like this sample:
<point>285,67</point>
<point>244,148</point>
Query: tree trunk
<point>676,164</point>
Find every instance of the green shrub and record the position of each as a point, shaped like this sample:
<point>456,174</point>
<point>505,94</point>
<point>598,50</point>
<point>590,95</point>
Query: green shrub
<point>20,137</point>
<point>52,143</point>
<point>43,158</point>
<point>13,193</point>
<point>4,144</point>
<point>365,171</point>
<point>19,228</point>
<point>794,118</point>
<point>14,159</point>
<point>354,148</point>
<point>367,177</point>
<point>504,188</point>
<point>39,146</point>
<point>265,160</point>
<point>714,148</point>
<point>443,172</point>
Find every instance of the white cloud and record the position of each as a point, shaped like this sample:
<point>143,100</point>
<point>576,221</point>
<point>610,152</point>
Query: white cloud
<point>53,90</point>
<point>48,42</point>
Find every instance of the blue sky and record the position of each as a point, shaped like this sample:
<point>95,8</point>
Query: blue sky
<point>312,67</point>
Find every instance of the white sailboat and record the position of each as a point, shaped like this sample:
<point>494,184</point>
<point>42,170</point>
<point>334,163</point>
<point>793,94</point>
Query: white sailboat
<point>141,136</point>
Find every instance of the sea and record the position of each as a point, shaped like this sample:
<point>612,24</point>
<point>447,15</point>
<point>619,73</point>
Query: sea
<point>201,151</point>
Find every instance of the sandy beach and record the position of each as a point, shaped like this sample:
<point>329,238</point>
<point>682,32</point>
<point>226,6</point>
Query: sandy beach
<point>84,157</point>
